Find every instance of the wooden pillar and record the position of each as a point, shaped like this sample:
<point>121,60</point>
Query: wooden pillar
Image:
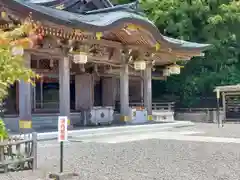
<point>148,90</point>
<point>64,87</point>
<point>17,97</point>
<point>124,92</point>
<point>109,91</point>
<point>84,91</point>
<point>25,100</point>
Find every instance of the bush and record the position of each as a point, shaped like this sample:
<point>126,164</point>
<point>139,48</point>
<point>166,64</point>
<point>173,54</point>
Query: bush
<point>3,130</point>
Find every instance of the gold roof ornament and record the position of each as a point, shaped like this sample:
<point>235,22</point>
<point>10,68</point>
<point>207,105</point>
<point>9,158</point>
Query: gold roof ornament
<point>132,27</point>
<point>99,35</point>
<point>157,46</point>
<point>60,7</point>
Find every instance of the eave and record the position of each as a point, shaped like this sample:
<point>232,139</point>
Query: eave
<point>113,25</point>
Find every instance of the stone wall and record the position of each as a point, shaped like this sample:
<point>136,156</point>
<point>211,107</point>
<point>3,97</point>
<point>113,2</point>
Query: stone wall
<point>198,116</point>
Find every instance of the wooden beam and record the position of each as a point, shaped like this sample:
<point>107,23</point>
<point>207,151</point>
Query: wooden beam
<point>161,57</point>
<point>142,48</point>
<point>232,93</point>
<point>53,53</point>
<point>159,78</point>
<point>116,55</point>
<point>118,76</point>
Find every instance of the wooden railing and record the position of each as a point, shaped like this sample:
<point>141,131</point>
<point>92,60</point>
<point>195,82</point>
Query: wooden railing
<point>196,109</point>
<point>163,106</point>
<point>18,153</point>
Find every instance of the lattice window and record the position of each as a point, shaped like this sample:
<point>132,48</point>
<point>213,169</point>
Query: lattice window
<point>34,64</point>
<point>48,64</point>
<point>44,64</point>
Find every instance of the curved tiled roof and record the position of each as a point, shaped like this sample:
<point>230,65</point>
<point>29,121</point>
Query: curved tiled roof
<point>97,22</point>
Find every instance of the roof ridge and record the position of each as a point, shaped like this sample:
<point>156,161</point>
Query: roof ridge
<point>133,7</point>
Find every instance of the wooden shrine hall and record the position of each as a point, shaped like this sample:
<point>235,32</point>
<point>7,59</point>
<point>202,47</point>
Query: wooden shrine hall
<point>90,53</point>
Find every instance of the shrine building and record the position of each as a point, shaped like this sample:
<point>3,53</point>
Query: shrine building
<point>89,53</point>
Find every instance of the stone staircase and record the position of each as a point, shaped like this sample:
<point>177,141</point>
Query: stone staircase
<point>41,121</point>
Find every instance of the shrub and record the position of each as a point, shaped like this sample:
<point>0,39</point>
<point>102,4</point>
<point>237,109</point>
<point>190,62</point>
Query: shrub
<point>3,130</point>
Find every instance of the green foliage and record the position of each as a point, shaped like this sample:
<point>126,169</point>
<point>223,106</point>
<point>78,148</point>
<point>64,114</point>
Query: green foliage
<point>12,68</point>
<point>3,130</point>
<point>204,21</point>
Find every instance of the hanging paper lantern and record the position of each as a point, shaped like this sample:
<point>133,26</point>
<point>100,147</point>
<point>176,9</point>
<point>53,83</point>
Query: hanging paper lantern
<point>3,14</point>
<point>166,72</point>
<point>139,65</point>
<point>17,51</point>
<point>80,58</point>
<point>175,69</point>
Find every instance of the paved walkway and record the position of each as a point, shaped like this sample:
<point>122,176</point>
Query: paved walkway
<point>150,153</point>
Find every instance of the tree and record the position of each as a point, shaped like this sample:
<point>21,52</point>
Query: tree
<point>207,21</point>
<point>12,64</point>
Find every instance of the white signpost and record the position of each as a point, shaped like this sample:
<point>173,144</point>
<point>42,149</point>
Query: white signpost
<point>62,136</point>
<point>62,128</point>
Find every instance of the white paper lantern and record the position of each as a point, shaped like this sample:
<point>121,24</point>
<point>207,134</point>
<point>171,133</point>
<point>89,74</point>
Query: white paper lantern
<point>17,51</point>
<point>166,72</point>
<point>139,65</point>
<point>175,69</point>
<point>80,58</point>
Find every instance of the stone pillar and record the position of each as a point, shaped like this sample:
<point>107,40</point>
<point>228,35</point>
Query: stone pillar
<point>84,91</point>
<point>109,91</point>
<point>124,93</point>
<point>64,87</point>
<point>25,99</point>
<point>148,91</point>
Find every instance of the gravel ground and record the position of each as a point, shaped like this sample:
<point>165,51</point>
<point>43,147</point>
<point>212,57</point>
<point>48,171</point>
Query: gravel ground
<point>141,160</point>
<point>229,130</point>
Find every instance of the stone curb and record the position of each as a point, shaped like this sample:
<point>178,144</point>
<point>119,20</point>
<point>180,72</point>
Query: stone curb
<point>95,131</point>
